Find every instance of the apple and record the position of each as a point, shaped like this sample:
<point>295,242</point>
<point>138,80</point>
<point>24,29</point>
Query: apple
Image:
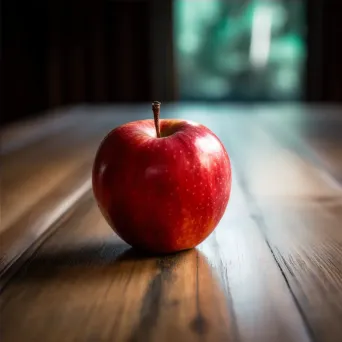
<point>162,185</point>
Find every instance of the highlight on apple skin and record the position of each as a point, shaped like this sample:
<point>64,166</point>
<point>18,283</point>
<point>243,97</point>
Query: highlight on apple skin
<point>162,185</point>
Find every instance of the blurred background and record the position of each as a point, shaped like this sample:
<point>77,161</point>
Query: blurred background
<point>58,53</point>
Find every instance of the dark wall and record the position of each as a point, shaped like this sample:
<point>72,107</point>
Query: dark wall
<point>324,69</point>
<point>98,51</point>
<point>23,58</point>
<point>60,52</point>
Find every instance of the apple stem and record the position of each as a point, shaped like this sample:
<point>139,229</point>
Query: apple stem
<point>156,111</point>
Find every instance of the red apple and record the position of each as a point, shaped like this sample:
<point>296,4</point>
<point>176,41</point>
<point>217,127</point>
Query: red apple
<point>163,186</point>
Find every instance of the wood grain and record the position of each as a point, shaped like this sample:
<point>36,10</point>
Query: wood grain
<point>45,168</point>
<point>36,161</point>
<point>96,275</point>
<point>40,219</point>
<point>271,271</point>
<point>300,219</point>
<point>112,293</point>
<point>315,134</point>
<point>18,135</point>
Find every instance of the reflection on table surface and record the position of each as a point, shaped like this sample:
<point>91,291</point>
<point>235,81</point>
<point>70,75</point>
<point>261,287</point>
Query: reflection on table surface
<point>271,271</point>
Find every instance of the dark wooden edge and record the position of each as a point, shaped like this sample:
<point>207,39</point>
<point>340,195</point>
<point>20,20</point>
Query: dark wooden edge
<point>39,220</point>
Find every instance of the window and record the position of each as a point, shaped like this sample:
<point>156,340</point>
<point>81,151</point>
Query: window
<point>240,50</point>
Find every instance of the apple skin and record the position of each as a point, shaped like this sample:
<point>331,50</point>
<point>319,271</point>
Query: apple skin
<point>162,195</point>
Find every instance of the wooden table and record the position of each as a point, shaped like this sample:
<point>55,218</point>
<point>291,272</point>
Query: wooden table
<point>271,271</point>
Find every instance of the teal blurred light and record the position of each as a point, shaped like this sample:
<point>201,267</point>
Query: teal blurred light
<point>232,50</point>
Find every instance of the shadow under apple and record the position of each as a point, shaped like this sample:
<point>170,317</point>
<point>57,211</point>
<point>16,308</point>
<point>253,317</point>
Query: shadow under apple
<point>137,294</point>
